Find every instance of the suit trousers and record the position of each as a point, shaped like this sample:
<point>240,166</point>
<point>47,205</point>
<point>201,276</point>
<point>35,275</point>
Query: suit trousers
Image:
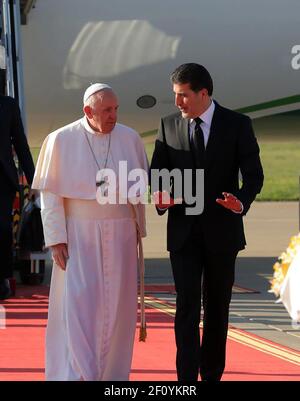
<point>202,276</point>
<point>7,194</point>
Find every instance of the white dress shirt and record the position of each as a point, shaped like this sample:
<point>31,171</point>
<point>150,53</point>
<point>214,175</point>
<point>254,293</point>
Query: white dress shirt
<point>206,117</point>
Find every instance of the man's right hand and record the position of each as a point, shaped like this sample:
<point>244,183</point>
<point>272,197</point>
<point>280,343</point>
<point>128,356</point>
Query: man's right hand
<point>60,255</point>
<point>163,200</point>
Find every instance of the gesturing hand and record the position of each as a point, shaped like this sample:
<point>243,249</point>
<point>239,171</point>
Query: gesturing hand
<point>60,255</point>
<point>230,202</point>
<point>163,200</point>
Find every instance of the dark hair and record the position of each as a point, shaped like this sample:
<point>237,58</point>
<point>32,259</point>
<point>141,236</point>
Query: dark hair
<point>194,74</point>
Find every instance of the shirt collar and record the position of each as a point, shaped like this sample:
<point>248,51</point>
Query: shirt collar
<point>208,114</point>
<point>88,128</point>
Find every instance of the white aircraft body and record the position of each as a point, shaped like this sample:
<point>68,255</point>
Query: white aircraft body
<point>252,50</point>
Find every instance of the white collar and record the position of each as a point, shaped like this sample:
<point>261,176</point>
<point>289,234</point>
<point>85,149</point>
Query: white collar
<point>207,116</point>
<point>88,128</point>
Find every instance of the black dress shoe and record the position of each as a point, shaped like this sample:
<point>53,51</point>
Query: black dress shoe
<point>5,291</point>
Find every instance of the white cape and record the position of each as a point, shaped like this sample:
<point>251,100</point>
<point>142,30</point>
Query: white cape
<point>66,150</point>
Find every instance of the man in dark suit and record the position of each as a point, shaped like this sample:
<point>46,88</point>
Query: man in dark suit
<point>203,247</point>
<point>11,134</point>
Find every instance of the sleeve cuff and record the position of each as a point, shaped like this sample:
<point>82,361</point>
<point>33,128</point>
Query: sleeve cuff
<point>54,220</point>
<point>55,231</point>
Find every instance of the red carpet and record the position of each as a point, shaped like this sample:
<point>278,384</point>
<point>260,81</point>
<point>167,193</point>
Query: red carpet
<point>22,345</point>
<point>22,342</point>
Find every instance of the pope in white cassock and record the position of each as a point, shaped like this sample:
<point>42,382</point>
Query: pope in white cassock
<point>93,293</point>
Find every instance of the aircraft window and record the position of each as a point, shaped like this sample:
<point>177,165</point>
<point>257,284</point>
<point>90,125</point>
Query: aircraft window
<point>146,101</point>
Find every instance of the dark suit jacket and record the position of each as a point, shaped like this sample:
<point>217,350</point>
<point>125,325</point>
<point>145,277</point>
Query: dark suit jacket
<point>231,147</point>
<point>12,133</point>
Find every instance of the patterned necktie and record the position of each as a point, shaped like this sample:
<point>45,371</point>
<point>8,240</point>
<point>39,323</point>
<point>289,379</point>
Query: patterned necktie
<point>197,144</point>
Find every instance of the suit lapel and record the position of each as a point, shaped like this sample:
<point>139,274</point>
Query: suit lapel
<point>182,131</point>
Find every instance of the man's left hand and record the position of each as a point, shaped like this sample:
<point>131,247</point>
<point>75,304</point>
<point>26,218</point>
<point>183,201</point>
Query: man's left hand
<point>231,202</point>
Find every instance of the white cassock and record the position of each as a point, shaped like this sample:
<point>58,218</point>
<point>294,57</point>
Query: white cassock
<point>93,304</point>
<point>290,289</point>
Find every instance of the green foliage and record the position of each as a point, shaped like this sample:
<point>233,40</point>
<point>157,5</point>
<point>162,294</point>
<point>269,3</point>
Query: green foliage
<point>281,163</point>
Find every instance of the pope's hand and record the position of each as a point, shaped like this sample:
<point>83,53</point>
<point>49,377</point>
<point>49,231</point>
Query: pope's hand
<point>230,202</point>
<point>163,200</point>
<point>60,255</point>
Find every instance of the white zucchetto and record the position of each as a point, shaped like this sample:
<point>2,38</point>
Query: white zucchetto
<point>93,89</point>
